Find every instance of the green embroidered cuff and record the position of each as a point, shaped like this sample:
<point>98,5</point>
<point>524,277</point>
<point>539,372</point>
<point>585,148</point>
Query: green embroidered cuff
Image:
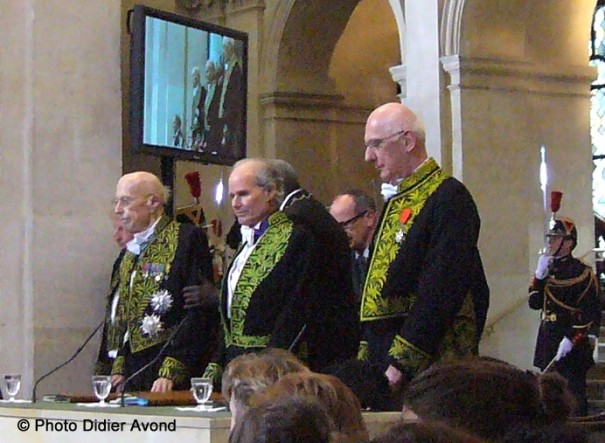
<point>173,369</point>
<point>363,353</point>
<point>215,372</point>
<point>118,366</point>
<point>102,368</point>
<point>408,358</point>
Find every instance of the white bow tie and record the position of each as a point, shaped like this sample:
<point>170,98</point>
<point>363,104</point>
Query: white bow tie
<point>388,190</point>
<point>135,246</point>
<point>138,242</point>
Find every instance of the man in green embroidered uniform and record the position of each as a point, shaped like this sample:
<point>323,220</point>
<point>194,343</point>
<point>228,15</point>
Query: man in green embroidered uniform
<point>266,291</point>
<point>425,297</point>
<point>157,336</point>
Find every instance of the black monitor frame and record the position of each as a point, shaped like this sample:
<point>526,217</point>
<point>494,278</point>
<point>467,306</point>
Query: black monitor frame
<point>220,155</point>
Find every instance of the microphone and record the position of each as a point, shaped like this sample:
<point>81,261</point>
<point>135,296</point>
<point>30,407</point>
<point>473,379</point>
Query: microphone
<point>297,338</point>
<point>69,360</point>
<point>154,359</point>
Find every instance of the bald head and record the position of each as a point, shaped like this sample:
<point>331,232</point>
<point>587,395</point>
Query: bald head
<point>395,141</point>
<point>140,199</point>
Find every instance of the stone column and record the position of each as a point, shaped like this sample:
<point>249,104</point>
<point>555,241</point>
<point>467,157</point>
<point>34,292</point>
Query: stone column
<point>502,112</point>
<point>61,149</point>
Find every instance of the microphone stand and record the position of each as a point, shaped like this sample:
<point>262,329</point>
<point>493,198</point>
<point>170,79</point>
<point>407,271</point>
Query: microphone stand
<point>297,338</point>
<point>80,349</point>
<point>153,360</point>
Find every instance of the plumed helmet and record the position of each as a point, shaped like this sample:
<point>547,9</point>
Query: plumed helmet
<point>564,227</point>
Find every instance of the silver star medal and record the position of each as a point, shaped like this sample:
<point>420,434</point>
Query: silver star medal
<point>399,236</point>
<point>151,325</point>
<point>161,302</point>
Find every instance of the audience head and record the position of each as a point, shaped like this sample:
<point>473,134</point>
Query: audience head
<point>288,419</point>
<point>424,432</point>
<point>394,139</point>
<point>256,190</point>
<point>288,175</point>
<point>139,201</point>
<point>355,211</point>
<point>339,401</point>
<point>252,373</point>
<point>368,382</point>
<point>120,235</point>
<point>485,396</point>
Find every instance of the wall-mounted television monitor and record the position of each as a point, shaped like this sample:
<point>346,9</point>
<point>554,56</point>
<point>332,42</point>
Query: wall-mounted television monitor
<point>188,87</point>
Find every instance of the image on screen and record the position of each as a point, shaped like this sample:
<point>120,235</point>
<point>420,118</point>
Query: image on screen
<point>194,91</point>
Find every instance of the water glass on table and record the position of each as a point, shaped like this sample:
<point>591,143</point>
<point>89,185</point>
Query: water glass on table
<point>12,384</point>
<point>201,389</point>
<point>102,387</point>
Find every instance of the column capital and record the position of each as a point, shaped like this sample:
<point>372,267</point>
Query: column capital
<point>399,75</point>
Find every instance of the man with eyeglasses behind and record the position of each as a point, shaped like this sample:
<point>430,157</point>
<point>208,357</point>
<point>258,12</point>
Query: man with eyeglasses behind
<point>163,257</point>
<point>425,297</point>
<point>355,211</point>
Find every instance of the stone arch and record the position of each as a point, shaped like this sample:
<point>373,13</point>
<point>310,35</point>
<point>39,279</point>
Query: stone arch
<point>304,115</point>
<point>285,62</point>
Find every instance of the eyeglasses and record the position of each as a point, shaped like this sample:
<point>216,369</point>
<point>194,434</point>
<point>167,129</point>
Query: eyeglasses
<point>125,202</point>
<point>377,142</point>
<point>348,223</point>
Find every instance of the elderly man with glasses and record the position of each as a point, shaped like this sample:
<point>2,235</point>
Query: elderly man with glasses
<point>161,346</point>
<point>425,296</point>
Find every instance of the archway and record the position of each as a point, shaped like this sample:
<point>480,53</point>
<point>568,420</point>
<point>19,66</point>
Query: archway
<point>318,88</point>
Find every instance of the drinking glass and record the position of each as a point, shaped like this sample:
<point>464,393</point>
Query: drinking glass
<point>202,389</point>
<point>12,384</point>
<point>102,387</point>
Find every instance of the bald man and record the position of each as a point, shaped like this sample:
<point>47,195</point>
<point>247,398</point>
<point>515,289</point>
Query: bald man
<point>162,258</point>
<point>425,296</point>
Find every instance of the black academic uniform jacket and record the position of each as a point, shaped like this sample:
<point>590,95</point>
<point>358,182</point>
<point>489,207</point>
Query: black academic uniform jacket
<point>176,256</point>
<point>425,297</point>
<point>333,333</point>
<point>270,304</point>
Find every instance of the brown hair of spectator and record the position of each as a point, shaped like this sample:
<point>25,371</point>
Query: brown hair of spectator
<point>263,369</point>
<point>339,401</point>
<point>485,396</point>
<point>424,431</point>
<point>288,419</point>
<point>249,374</point>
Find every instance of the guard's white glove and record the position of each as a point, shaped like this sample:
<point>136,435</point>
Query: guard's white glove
<point>565,348</point>
<point>542,268</point>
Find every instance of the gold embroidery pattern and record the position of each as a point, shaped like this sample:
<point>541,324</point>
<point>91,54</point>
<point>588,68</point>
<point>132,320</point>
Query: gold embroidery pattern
<point>414,191</point>
<point>412,358</point>
<point>215,372</point>
<point>460,340</point>
<point>363,353</point>
<point>174,370</point>
<point>118,366</point>
<point>137,303</point>
<point>268,251</point>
